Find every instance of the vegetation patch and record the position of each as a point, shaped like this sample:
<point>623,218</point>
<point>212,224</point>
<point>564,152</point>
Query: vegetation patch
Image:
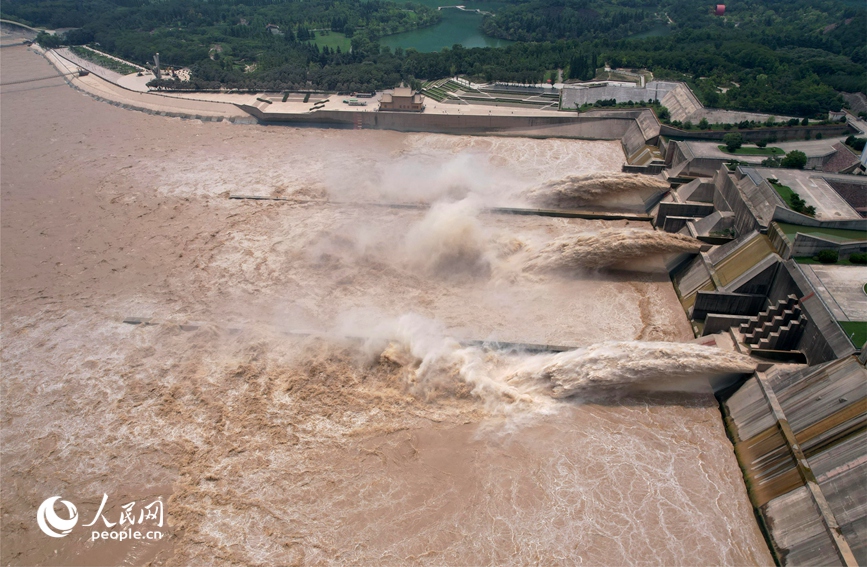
<point>103,61</point>
<point>333,41</point>
<point>789,58</point>
<point>859,258</point>
<point>792,199</point>
<point>856,331</point>
<point>753,151</point>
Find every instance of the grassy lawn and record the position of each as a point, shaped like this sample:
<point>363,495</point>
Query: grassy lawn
<point>332,40</point>
<point>785,192</point>
<point>753,151</point>
<point>856,331</point>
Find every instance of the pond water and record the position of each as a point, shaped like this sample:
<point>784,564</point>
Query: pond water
<point>456,27</point>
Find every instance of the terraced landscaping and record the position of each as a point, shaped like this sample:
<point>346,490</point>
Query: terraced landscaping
<point>103,60</point>
<point>449,89</point>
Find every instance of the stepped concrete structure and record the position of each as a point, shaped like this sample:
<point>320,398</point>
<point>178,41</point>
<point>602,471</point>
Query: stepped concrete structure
<point>677,97</point>
<point>800,437</point>
<point>799,424</point>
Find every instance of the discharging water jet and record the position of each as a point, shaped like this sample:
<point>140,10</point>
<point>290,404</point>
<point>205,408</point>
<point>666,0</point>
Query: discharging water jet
<point>575,191</point>
<point>608,248</point>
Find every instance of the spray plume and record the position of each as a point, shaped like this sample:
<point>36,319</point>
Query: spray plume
<point>577,190</point>
<point>608,247</point>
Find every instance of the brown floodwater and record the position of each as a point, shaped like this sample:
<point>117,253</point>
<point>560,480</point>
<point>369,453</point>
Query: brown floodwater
<point>318,406</point>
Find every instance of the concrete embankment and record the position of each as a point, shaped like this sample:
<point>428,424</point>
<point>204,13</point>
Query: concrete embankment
<point>111,93</point>
<point>799,437</point>
<point>586,127</point>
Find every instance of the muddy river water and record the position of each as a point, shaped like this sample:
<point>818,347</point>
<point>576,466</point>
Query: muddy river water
<point>303,392</point>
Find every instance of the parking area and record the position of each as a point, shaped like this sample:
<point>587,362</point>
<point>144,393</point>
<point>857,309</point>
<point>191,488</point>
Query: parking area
<point>842,289</point>
<point>814,190</point>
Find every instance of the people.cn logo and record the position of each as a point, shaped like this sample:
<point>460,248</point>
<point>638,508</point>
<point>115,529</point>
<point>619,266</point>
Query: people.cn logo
<point>52,524</point>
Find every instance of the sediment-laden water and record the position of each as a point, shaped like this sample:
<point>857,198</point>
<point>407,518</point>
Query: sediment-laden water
<point>320,405</point>
<point>582,189</point>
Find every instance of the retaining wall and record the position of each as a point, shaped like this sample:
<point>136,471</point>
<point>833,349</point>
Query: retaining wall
<point>783,214</point>
<point>576,95</point>
<point>566,126</point>
<point>810,245</point>
<point>823,339</point>
<point>716,323</point>
<point>694,210</point>
<point>727,304</point>
<point>783,134</point>
<point>728,198</point>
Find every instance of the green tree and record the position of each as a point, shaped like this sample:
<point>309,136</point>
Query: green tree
<point>795,159</point>
<point>733,141</point>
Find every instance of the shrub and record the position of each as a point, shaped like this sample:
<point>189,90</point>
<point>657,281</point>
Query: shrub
<point>795,159</point>
<point>703,124</point>
<point>762,143</point>
<point>733,141</point>
<point>818,135</point>
<point>856,144</point>
<point>805,122</point>
<point>858,258</point>
<point>828,256</point>
<point>727,127</point>
<point>687,125</point>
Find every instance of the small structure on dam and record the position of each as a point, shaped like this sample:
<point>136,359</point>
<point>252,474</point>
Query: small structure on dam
<point>402,99</point>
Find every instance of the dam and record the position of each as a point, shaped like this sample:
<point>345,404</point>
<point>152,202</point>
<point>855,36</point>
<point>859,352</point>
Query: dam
<point>408,424</point>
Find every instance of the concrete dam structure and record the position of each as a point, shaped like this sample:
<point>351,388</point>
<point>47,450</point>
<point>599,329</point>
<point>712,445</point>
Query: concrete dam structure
<point>800,437</point>
<point>562,299</point>
<point>799,422</point>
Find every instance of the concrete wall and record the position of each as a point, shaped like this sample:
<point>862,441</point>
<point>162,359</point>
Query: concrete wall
<point>681,103</point>
<point>810,245</point>
<point>727,304</point>
<point>823,339</point>
<point>681,210</point>
<point>576,95</point>
<point>780,241</point>
<point>645,169</point>
<point>799,438</point>
<point>584,126</point>
<point>633,140</point>
<point>783,214</point>
<point>783,134</point>
<point>703,167</point>
<point>729,198</point>
<point>674,224</point>
<point>716,323</point>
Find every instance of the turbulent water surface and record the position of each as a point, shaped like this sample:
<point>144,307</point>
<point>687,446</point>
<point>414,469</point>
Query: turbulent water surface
<point>307,390</point>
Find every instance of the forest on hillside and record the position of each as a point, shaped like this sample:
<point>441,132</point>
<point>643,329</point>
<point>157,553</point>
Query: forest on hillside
<point>772,56</point>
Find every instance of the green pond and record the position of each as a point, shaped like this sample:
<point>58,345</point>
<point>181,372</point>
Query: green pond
<point>456,27</point>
